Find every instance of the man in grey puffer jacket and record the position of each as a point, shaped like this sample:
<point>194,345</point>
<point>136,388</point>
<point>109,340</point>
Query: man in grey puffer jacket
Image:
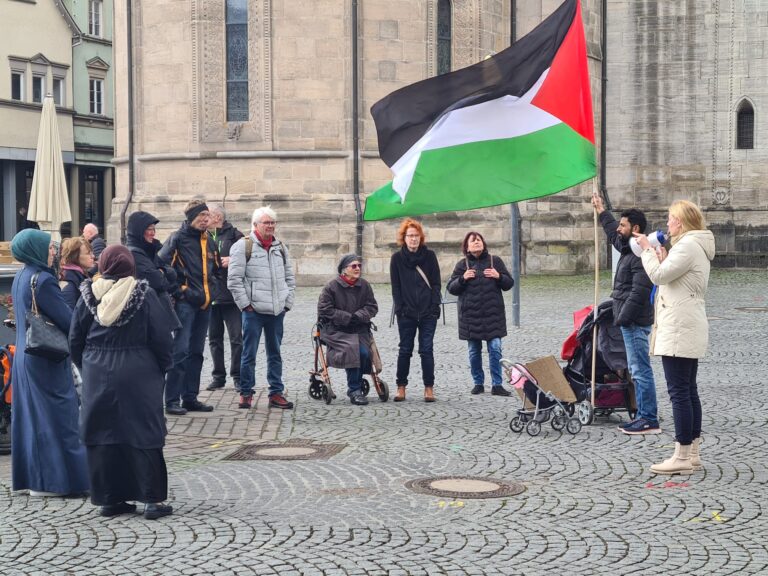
<point>263,286</point>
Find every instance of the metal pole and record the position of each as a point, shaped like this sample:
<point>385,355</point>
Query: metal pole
<point>131,176</point>
<point>514,220</point>
<point>514,212</point>
<point>356,135</point>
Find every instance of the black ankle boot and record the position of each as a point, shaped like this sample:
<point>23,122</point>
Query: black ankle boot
<point>155,511</point>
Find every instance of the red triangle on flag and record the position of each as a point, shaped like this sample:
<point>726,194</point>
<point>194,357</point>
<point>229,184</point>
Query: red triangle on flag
<point>565,93</point>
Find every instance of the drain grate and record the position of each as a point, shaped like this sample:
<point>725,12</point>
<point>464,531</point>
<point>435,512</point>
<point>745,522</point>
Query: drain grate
<point>466,487</point>
<point>292,450</point>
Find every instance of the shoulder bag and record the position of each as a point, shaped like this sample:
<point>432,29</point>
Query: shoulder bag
<point>43,337</point>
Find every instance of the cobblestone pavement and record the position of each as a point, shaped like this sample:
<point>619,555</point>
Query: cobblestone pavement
<point>590,506</point>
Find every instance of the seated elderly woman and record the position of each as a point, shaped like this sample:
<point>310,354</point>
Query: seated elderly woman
<point>344,310</point>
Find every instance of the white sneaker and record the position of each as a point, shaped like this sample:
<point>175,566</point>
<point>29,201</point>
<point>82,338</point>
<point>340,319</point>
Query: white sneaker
<point>40,494</point>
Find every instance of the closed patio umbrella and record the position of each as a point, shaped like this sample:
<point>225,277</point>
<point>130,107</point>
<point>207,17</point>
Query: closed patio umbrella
<point>49,200</point>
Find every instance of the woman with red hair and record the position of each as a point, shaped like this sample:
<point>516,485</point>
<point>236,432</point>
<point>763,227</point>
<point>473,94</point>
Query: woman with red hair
<point>415,276</point>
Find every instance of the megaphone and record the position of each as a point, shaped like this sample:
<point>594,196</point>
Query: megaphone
<point>655,238</point>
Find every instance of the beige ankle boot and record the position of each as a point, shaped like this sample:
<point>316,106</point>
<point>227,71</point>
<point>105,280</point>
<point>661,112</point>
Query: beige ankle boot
<point>400,396</point>
<point>680,463</point>
<point>696,454</point>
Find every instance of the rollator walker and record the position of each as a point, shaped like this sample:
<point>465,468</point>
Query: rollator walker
<point>319,378</point>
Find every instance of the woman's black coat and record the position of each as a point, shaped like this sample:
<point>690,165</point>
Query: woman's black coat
<point>149,266</point>
<point>411,296</point>
<point>123,369</point>
<point>70,286</point>
<point>481,303</point>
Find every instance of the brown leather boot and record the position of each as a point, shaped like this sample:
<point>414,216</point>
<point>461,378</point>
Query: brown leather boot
<point>400,396</point>
<point>429,395</point>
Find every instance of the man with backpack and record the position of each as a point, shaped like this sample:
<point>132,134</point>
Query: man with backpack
<point>192,253</point>
<point>262,284</point>
<point>633,313</point>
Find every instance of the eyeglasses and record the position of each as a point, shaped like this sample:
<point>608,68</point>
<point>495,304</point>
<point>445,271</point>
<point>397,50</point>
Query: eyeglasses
<point>268,222</point>
<point>412,236</point>
<point>355,266</point>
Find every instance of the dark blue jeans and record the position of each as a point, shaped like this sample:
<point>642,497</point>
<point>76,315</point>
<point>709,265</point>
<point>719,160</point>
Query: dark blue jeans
<point>254,324</point>
<point>355,375</point>
<point>407,327</point>
<point>684,394</point>
<point>183,379</point>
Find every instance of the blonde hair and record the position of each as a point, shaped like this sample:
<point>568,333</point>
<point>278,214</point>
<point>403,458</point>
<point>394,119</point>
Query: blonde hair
<point>690,215</point>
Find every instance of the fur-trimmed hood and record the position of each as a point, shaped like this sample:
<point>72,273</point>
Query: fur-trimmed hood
<point>114,302</point>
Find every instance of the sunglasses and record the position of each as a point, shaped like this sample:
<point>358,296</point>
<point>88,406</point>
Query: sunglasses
<point>355,266</point>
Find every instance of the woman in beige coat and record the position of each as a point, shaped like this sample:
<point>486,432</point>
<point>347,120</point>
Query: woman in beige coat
<point>681,331</point>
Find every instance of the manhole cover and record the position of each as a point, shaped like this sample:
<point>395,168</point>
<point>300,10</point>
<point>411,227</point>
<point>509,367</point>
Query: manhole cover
<point>465,487</point>
<point>753,309</point>
<point>294,450</point>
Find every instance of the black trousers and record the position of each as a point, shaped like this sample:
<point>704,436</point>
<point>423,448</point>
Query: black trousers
<point>230,315</point>
<point>684,395</point>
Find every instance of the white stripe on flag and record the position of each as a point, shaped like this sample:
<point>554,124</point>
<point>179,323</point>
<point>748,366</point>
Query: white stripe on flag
<point>500,119</point>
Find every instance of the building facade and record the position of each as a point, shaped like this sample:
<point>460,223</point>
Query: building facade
<point>251,102</point>
<point>688,85</point>
<point>93,87</point>
<point>46,47</point>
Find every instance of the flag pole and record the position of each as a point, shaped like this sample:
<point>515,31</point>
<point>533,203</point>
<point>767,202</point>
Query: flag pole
<point>597,294</point>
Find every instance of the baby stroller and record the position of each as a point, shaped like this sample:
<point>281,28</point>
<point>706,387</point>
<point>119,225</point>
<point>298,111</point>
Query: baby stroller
<point>320,380</point>
<point>6,360</point>
<point>542,401</point>
<point>614,390</point>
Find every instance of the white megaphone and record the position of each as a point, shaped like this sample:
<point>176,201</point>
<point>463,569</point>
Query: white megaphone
<point>655,238</point>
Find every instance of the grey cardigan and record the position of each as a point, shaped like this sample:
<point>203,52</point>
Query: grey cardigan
<point>266,281</point>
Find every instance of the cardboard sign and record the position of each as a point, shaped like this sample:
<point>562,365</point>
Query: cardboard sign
<point>550,378</point>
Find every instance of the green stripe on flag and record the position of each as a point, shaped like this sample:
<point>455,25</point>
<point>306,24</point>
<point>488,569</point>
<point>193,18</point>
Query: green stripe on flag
<point>490,173</point>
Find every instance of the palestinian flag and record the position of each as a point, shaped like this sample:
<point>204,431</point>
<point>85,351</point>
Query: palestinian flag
<point>515,126</point>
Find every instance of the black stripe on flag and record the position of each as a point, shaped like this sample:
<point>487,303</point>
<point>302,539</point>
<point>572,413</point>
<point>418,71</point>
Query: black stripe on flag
<point>405,115</point>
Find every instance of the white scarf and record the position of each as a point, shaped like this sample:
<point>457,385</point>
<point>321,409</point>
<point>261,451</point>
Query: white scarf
<point>112,297</point>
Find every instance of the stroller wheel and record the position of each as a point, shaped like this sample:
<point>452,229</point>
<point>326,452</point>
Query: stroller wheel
<point>382,389</point>
<point>533,428</point>
<point>315,388</point>
<point>559,421</point>
<point>573,426</point>
<point>327,393</point>
<point>516,424</point>
<point>586,413</point>
<point>365,387</point>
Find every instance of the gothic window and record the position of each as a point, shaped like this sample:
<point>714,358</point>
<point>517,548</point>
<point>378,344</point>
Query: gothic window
<point>237,60</point>
<point>443,36</point>
<point>745,126</point>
